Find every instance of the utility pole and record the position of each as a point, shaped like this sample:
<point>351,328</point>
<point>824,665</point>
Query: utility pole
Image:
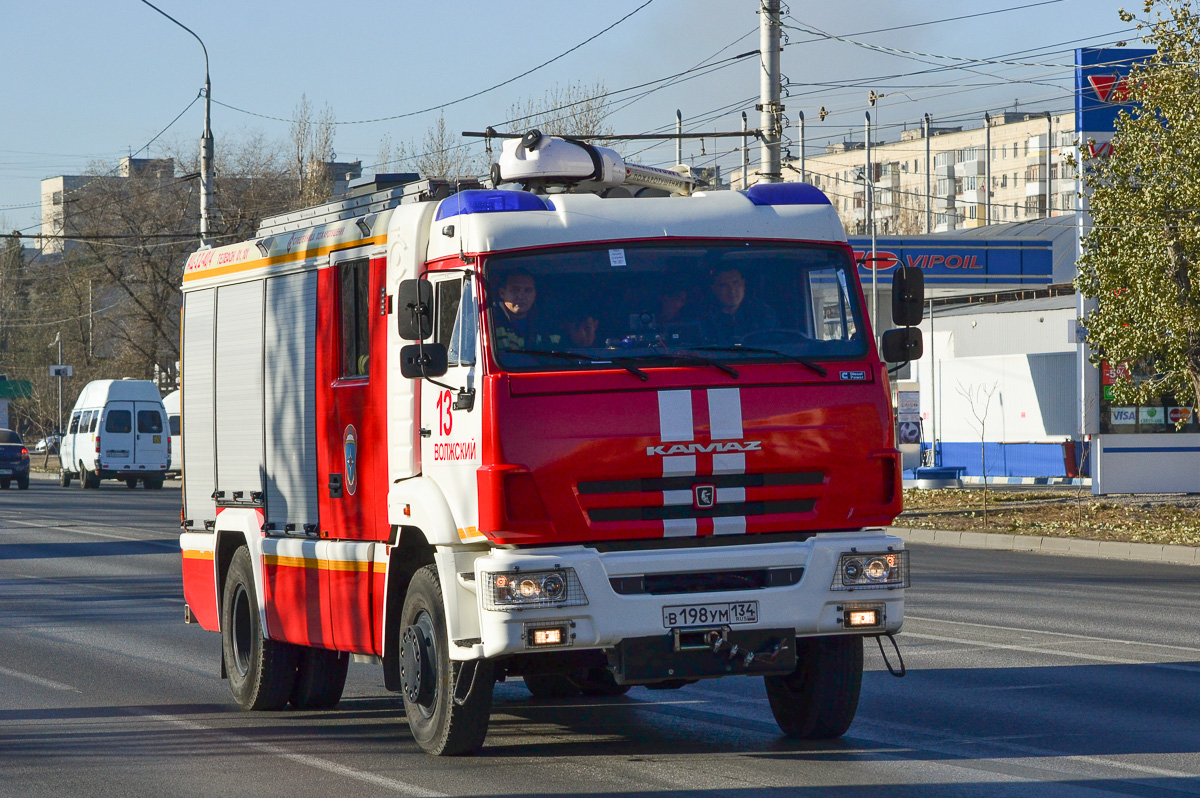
<point>803,169</point>
<point>769,106</point>
<point>928,177</point>
<point>1049,162</point>
<point>869,188</point>
<point>745,155</point>
<point>678,136</point>
<point>987,168</point>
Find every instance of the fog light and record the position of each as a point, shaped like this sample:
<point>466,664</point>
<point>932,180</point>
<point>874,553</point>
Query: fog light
<point>548,635</point>
<point>863,616</point>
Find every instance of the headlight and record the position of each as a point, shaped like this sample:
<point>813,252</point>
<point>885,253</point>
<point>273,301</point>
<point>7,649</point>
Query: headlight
<point>518,590</point>
<point>862,571</point>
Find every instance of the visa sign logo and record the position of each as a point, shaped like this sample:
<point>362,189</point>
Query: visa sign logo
<point>1123,415</point>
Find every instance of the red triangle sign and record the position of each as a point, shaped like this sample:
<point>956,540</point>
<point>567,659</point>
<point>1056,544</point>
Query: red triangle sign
<point>1103,85</point>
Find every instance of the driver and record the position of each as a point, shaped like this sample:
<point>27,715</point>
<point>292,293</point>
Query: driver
<point>735,316</point>
<point>516,322</point>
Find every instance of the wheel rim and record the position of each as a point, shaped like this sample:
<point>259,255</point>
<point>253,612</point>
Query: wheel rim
<point>418,669</point>
<point>240,634</point>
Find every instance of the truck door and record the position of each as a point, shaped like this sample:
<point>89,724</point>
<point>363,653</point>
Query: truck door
<point>117,443</point>
<point>150,439</point>
<point>351,400</point>
<point>452,453</point>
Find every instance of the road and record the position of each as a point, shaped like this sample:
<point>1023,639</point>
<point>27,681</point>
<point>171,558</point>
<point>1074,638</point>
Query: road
<point>1028,675</point>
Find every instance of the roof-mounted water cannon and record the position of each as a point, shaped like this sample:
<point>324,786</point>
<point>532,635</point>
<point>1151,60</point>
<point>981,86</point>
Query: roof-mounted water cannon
<point>540,162</point>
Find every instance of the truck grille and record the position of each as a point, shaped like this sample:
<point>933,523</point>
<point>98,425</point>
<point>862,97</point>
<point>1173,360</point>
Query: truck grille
<point>663,498</point>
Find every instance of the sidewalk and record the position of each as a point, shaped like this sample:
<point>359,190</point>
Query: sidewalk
<point>1146,552</point>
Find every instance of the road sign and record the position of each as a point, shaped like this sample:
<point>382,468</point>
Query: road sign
<point>62,371</point>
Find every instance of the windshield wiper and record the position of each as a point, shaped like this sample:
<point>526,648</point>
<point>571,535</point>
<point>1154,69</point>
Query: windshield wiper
<point>579,356</point>
<point>679,357</point>
<point>819,370</point>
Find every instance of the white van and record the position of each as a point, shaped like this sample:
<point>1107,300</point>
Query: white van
<point>175,462</point>
<point>118,430</point>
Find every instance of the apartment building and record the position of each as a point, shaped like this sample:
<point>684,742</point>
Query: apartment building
<point>1022,156</point>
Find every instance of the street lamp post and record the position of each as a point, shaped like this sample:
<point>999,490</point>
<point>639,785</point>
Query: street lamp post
<point>206,142</point>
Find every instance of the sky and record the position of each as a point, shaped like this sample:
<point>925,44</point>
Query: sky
<point>86,82</point>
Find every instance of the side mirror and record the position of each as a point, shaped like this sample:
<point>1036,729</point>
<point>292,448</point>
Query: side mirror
<point>902,345</point>
<point>421,361</point>
<point>908,296</point>
<point>414,312</point>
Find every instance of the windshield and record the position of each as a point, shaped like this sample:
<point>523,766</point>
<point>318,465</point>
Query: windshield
<point>589,307</point>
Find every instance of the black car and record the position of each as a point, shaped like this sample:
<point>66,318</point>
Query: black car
<point>14,460</point>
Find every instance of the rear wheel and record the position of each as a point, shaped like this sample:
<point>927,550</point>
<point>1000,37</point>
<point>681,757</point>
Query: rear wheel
<point>600,682</point>
<point>23,482</point>
<point>131,482</point>
<point>261,672</point>
<point>818,700</point>
<point>447,718</point>
<point>64,478</point>
<point>4,483</point>
<point>551,685</point>
<point>320,678</point>
<point>154,483</point>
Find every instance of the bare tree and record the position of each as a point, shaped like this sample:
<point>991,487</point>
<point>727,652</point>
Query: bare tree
<point>979,398</point>
<point>442,154</point>
<point>576,110</point>
<point>312,150</point>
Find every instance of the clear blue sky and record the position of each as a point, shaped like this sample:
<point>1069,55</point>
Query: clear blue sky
<point>87,82</point>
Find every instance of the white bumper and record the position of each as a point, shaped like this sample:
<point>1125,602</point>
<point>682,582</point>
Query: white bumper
<point>810,606</point>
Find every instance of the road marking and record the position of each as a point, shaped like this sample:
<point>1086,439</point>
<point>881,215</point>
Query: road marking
<point>1189,649</point>
<point>328,766</point>
<point>1054,652</point>
<point>38,680</point>
<point>80,531</point>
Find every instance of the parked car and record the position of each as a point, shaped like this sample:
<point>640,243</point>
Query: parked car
<point>14,460</point>
<point>47,445</point>
<point>118,430</point>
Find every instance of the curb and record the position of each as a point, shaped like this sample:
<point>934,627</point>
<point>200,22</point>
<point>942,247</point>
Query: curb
<point>1113,549</point>
<point>1028,480</point>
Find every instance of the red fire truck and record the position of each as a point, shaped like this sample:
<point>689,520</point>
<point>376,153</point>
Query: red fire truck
<point>560,432</point>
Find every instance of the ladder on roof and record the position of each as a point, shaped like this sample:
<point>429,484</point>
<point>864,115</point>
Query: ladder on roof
<point>363,204</point>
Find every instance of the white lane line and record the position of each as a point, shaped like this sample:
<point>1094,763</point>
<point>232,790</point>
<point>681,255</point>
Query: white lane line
<point>1054,652</point>
<point>1043,632</point>
<point>1020,751</point>
<point>79,531</point>
<point>38,680</point>
<point>328,766</point>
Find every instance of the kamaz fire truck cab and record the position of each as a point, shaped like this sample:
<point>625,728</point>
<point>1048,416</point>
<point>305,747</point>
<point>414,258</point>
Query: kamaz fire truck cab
<point>590,441</point>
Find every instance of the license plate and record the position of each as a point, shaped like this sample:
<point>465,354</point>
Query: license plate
<point>5,472</point>
<point>702,614</point>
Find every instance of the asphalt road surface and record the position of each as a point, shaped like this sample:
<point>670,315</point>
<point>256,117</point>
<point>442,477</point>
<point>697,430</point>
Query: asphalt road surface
<point>1028,675</point>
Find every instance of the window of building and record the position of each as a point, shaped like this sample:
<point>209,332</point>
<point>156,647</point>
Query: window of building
<point>355,314</point>
<point>1004,212</point>
<point>1015,149</point>
<point>1003,181</point>
<point>971,211</point>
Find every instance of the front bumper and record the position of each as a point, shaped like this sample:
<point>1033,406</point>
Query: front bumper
<point>809,607</point>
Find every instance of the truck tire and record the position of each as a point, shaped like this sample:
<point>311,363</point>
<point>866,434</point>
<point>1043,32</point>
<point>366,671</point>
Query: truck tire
<point>64,478</point>
<point>441,723</point>
<point>154,483</point>
<point>817,701</point>
<point>131,482</point>
<point>320,678</point>
<point>551,685</point>
<point>261,672</point>
<point>600,682</point>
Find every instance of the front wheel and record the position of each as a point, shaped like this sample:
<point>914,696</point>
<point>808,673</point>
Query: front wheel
<point>261,672</point>
<point>817,701</point>
<point>447,718</point>
<point>64,478</point>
